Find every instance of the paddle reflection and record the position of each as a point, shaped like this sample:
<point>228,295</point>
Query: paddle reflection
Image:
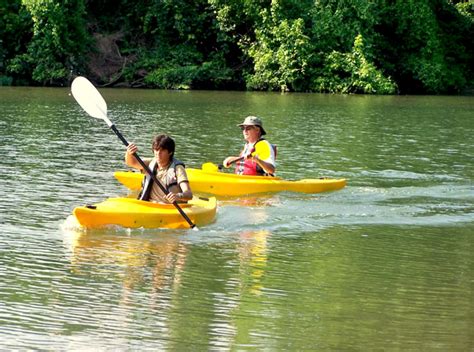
<point>253,255</point>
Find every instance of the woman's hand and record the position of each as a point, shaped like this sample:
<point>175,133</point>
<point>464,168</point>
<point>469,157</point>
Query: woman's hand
<point>230,160</point>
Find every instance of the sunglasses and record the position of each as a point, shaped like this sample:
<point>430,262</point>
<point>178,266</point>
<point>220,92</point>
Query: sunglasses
<point>247,128</point>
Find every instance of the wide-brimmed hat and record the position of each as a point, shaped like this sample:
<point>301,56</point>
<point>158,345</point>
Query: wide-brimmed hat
<point>253,121</point>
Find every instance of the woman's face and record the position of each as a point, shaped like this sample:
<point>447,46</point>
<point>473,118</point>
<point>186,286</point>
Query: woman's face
<point>251,133</point>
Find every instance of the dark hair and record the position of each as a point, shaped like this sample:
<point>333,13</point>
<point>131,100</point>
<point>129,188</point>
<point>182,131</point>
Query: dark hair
<point>163,141</point>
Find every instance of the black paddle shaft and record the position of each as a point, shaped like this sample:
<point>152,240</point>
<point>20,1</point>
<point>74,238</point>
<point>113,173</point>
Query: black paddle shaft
<point>154,178</point>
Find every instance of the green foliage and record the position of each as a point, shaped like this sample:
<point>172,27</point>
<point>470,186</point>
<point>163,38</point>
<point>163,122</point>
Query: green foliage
<point>209,74</point>
<point>15,32</point>
<point>172,77</point>
<point>431,54</point>
<point>335,24</point>
<point>58,43</point>
<point>5,80</point>
<point>281,55</point>
<point>182,48</point>
<point>466,9</point>
<point>423,56</point>
<point>407,46</point>
<point>352,73</point>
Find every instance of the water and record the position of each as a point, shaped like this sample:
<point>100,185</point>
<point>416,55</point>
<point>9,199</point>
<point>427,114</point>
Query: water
<point>384,264</point>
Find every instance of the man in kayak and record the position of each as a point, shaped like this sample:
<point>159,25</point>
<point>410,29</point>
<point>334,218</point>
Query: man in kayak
<point>258,155</point>
<point>168,170</point>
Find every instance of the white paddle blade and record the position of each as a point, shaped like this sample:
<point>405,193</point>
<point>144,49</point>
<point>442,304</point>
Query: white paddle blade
<point>89,98</point>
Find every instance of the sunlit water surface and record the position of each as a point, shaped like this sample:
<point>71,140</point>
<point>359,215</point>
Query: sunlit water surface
<point>384,264</point>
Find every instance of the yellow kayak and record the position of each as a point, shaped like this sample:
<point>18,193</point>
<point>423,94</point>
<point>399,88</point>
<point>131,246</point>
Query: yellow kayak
<point>225,184</point>
<point>133,213</point>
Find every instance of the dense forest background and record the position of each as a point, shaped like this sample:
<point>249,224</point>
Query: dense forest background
<point>338,46</point>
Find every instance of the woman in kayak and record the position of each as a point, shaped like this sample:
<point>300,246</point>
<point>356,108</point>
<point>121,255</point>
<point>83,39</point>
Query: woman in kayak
<point>169,171</point>
<point>258,155</point>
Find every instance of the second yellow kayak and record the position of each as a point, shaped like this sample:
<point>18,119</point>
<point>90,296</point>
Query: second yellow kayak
<point>225,184</point>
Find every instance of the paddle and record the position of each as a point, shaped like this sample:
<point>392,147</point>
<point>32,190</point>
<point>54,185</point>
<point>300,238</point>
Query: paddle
<point>211,167</point>
<point>260,149</point>
<point>89,98</point>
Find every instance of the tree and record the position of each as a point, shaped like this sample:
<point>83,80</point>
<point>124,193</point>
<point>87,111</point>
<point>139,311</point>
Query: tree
<point>384,46</point>
<point>58,44</point>
<point>352,73</point>
<point>425,46</point>
<point>15,33</point>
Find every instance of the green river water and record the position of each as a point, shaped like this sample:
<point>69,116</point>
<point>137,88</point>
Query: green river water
<point>384,264</point>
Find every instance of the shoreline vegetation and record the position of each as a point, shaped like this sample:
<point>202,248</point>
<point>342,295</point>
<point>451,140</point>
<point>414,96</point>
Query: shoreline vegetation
<point>326,46</point>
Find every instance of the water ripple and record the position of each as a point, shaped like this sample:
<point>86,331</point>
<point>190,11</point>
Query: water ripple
<point>385,263</point>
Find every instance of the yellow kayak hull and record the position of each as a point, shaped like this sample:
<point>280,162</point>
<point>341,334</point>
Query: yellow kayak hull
<point>134,213</point>
<point>224,184</point>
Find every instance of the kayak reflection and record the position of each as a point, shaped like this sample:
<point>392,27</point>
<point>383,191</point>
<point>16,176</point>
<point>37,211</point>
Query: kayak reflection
<point>173,277</point>
<point>134,255</point>
<point>159,262</point>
